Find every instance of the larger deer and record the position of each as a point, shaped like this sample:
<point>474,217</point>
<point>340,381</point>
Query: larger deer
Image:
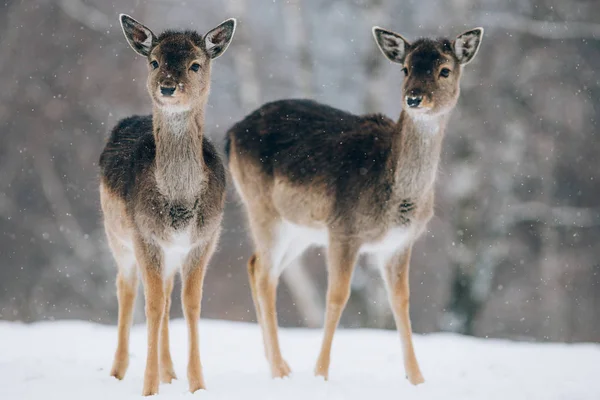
<point>311,174</point>
<point>162,192</point>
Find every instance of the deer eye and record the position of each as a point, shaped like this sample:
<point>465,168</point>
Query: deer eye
<point>405,70</point>
<point>195,67</point>
<point>154,64</point>
<point>445,72</point>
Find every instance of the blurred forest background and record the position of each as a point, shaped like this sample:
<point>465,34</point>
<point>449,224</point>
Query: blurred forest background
<point>514,249</point>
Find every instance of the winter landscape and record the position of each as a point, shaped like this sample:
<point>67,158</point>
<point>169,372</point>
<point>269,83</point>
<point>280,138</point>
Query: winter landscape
<point>71,360</point>
<point>504,281</point>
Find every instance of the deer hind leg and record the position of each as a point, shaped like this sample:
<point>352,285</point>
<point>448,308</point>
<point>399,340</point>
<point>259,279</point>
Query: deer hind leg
<point>193,280</point>
<point>264,268</point>
<point>341,259</point>
<point>396,273</point>
<point>266,294</point>
<point>167,373</point>
<point>252,279</point>
<point>285,254</point>
<point>126,292</point>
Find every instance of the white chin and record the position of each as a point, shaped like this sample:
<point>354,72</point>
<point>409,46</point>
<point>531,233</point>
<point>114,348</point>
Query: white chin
<point>419,112</point>
<point>175,108</point>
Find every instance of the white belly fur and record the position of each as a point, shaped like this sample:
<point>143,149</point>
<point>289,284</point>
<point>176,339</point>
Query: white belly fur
<point>291,240</point>
<point>395,239</point>
<point>175,251</point>
<point>126,261</point>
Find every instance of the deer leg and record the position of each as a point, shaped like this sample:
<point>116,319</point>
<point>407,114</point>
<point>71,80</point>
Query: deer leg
<point>126,292</point>
<point>191,298</point>
<point>253,291</point>
<point>193,280</point>
<point>396,274</point>
<point>167,373</point>
<point>287,258</point>
<point>127,282</point>
<point>266,297</point>
<point>155,307</point>
<point>341,260</point>
<point>149,258</point>
<point>263,284</point>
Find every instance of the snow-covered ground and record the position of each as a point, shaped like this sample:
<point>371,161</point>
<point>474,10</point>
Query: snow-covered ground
<point>71,361</point>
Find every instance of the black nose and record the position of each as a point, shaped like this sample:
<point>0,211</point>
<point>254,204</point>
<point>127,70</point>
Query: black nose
<point>167,91</point>
<point>413,101</point>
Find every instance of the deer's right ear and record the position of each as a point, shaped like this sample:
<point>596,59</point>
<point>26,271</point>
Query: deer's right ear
<point>140,38</point>
<point>391,44</point>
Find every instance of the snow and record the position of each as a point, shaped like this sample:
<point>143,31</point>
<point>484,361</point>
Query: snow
<point>71,361</point>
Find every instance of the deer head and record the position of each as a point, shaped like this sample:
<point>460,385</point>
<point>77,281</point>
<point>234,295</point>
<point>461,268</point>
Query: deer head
<point>432,68</point>
<point>178,62</point>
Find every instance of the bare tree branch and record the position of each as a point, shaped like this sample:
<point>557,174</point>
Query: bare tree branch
<point>542,29</point>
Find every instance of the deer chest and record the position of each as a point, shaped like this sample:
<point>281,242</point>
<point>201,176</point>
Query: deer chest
<point>179,214</point>
<point>404,212</point>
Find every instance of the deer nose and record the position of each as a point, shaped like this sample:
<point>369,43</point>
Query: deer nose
<point>167,90</point>
<point>413,101</point>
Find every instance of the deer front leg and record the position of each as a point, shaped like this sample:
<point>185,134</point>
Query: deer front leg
<point>191,298</point>
<point>396,273</point>
<point>341,258</point>
<point>149,258</point>
<point>167,372</point>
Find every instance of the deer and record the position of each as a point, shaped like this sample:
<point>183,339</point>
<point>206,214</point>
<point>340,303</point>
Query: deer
<point>309,174</point>
<point>162,192</point>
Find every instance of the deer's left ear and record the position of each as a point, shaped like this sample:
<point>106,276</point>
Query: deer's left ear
<point>466,45</point>
<point>217,40</point>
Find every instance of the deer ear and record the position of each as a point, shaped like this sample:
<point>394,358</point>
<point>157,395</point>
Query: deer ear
<point>140,38</point>
<point>218,39</point>
<point>391,44</point>
<point>466,45</point>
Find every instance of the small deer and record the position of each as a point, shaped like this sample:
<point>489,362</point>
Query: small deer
<point>309,174</point>
<point>162,192</point>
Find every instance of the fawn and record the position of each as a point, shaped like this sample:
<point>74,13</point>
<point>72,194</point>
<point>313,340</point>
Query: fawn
<point>310,174</point>
<point>162,192</point>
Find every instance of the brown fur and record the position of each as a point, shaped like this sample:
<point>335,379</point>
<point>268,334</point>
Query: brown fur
<point>364,182</point>
<point>162,193</point>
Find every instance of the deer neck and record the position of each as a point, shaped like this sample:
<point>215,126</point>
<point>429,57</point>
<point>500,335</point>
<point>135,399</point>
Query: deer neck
<point>417,151</point>
<point>180,170</point>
